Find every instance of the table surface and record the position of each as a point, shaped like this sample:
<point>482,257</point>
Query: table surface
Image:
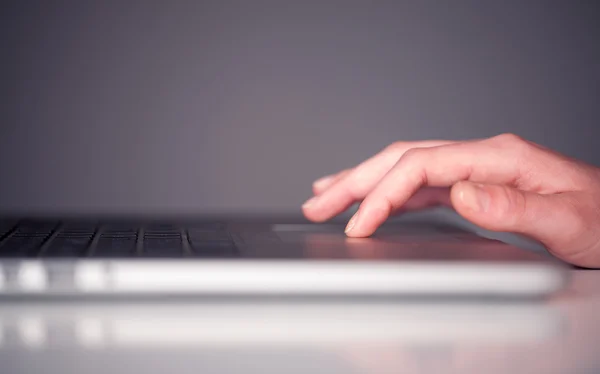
<point>576,349</point>
<point>556,335</point>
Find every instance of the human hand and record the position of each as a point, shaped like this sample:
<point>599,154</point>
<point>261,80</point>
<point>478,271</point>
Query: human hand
<point>504,183</point>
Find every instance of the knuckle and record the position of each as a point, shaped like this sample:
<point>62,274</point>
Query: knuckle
<point>518,147</point>
<point>412,155</point>
<point>395,147</point>
<point>413,165</point>
<point>414,159</point>
<point>509,139</point>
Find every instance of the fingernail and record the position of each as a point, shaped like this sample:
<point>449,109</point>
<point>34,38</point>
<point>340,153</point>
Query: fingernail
<point>322,181</point>
<point>475,197</point>
<point>351,223</point>
<point>310,202</point>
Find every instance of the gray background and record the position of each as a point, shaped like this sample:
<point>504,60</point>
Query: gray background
<point>197,106</point>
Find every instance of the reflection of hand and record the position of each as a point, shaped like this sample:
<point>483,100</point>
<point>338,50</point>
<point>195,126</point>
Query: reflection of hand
<point>503,183</point>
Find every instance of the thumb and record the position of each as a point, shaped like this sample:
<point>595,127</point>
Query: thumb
<point>550,219</point>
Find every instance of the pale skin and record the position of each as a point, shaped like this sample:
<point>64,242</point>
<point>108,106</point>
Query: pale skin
<point>504,183</point>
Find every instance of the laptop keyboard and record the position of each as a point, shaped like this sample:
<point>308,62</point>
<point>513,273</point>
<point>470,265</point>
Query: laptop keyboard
<point>52,239</point>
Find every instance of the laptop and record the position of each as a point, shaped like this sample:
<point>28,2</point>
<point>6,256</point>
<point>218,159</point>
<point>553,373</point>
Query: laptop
<point>264,256</point>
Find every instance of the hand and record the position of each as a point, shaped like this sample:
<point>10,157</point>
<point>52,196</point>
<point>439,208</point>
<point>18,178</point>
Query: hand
<point>503,183</point>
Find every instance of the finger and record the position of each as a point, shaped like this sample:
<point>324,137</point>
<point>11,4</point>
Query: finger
<point>554,220</point>
<point>427,197</point>
<point>357,183</point>
<point>325,182</point>
<point>491,161</point>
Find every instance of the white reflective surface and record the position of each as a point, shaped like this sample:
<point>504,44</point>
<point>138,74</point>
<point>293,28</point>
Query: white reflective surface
<point>560,335</point>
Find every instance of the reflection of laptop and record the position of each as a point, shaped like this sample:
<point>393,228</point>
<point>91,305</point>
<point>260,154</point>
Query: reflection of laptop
<point>175,326</point>
<point>280,336</point>
<point>260,256</point>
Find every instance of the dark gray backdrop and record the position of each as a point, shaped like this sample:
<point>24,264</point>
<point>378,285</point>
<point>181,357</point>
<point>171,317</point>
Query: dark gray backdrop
<point>197,106</point>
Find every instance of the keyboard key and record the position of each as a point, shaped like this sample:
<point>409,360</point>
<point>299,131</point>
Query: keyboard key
<point>68,247</point>
<point>114,247</point>
<point>208,236</point>
<point>212,244</point>
<point>6,227</point>
<point>162,247</point>
<point>206,226</point>
<point>36,228</point>
<point>77,230</point>
<point>22,246</point>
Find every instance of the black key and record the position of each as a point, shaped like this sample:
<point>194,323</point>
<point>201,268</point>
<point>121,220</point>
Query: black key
<point>164,234</point>
<point>77,230</point>
<point>35,228</point>
<point>68,246</point>
<point>206,226</point>
<point>6,227</point>
<point>211,244</point>
<point>114,247</point>
<point>120,230</point>
<point>22,246</point>
<point>208,236</point>
<point>27,239</point>
<point>162,240</point>
<point>115,240</point>
<point>161,228</point>
<point>119,234</point>
<point>162,247</point>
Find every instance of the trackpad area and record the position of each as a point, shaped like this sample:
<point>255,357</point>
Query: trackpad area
<point>396,232</point>
<point>395,241</point>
